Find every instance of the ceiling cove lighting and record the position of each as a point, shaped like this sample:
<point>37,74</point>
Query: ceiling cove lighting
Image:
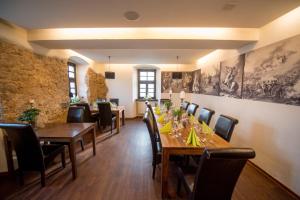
<point>109,74</point>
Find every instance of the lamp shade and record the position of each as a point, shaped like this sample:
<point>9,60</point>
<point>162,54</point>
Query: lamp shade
<point>182,95</point>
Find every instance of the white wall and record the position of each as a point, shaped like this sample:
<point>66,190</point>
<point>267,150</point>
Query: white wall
<point>271,129</point>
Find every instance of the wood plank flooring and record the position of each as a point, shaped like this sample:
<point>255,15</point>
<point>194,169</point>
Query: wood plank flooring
<point>122,170</point>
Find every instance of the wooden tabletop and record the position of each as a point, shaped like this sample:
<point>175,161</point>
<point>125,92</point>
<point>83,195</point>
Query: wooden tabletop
<point>65,130</point>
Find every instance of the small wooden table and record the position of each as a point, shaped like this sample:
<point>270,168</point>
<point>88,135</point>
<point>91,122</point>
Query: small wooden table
<point>177,146</point>
<point>118,111</point>
<point>67,132</point>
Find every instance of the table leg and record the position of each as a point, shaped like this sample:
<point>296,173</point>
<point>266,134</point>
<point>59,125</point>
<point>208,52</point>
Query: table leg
<point>123,117</point>
<point>94,140</point>
<point>118,121</point>
<point>165,174</point>
<point>73,159</point>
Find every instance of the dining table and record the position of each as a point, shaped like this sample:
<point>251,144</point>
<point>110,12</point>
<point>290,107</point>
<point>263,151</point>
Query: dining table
<point>176,144</point>
<point>68,133</point>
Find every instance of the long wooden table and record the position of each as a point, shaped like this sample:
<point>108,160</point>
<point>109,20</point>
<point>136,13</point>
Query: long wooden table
<point>68,133</point>
<point>118,111</point>
<point>172,145</point>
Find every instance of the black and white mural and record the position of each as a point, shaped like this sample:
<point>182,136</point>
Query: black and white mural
<point>177,85</point>
<point>210,79</point>
<point>272,73</point>
<point>196,87</point>
<point>231,77</point>
<point>166,80</point>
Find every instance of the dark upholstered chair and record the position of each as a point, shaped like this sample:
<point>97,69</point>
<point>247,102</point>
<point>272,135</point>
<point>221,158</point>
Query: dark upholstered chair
<point>192,108</point>
<point>205,115</point>
<point>76,115</point>
<point>225,126</point>
<point>88,116</point>
<point>185,105</point>
<point>115,101</point>
<point>105,115</point>
<point>156,145</point>
<point>216,175</point>
<point>31,155</point>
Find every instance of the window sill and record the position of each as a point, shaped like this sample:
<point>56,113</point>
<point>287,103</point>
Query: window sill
<point>145,100</point>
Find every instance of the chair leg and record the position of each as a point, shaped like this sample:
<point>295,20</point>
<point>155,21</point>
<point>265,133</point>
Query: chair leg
<point>111,128</point>
<point>82,145</point>
<point>153,172</point>
<point>63,159</point>
<point>43,178</point>
<point>21,177</point>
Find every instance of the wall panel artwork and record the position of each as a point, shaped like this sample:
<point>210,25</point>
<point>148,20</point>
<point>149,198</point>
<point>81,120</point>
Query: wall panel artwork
<point>177,85</point>
<point>210,80</point>
<point>272,73</point>
<point>197,81</point>
<point>231,76</point>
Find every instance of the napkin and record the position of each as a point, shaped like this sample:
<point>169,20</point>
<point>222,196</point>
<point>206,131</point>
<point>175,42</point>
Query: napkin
<point>157,110</point>
<point>193,138</point>
<point>161,119</point>
<point>192,119</point>
<point>206,129</point>
<point>167,128</point>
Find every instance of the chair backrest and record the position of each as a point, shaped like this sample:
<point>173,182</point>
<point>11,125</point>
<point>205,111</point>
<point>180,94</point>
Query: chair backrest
<point>75,114</point>
<point>225,126</point>
<point>115,101</point>
<point>151,130</point>
<point>192,108</point>
<point>26,144</point>
<point>105,113</point>
<point>205,115</point>
<point>218,172</point>
<point>152,117</point>
<point>185,105</point>
<point>87,111</point>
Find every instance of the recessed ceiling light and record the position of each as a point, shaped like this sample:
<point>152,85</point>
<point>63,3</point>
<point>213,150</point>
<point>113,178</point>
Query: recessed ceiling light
<point>131,15</point>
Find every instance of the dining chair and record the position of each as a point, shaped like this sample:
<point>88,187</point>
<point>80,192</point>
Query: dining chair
<point>205,115</point>
<point>115,101</point>
<point>31,155</point>
<point>185,105</point>
<point>88,116</point>
<point>106,116</point>
<point>75,115</point>
<point>216,175</point>
<point>156,145</point>
<point>225,126</point>
<point>192,108</point>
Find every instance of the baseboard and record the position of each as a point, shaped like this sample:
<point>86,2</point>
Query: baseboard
<point>133,118</point>
<point>274,180</point>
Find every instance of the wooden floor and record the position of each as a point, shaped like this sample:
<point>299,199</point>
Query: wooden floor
<point>122,170</point>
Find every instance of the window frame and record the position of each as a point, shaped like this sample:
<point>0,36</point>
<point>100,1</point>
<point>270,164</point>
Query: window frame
<point>146,82</point>
<point>72,79</point>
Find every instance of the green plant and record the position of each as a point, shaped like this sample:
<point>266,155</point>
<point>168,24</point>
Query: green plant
<point>177,112</point>
<point>168,104</point>
<point>29,115</point>
<point>75,100</point>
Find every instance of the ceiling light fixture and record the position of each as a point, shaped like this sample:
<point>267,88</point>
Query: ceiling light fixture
<point>131,15</point>
<point>177,74</point>
<point>109,74</point>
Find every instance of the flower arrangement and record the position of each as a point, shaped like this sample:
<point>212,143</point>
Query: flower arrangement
<point>168,104</point>
<point>177,113</point>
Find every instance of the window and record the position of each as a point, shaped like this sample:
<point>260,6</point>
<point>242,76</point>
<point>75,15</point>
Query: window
<point>146,83</point>
<point>72,79</point>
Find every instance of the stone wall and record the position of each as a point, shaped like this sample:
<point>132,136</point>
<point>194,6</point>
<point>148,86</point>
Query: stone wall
<point>26,76</point>
<point>96,86</point>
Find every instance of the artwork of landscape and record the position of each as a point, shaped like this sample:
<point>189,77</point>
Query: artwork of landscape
<point>231,76</point>
<point>272,73</point>
<point>210,78</point>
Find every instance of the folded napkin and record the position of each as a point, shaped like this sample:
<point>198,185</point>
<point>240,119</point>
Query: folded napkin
<point>161,119</point>
<point>157,110</point>
<point>206,129</point>
<point>193,139</point>
<point>167,128</point>
<point>192,119</point>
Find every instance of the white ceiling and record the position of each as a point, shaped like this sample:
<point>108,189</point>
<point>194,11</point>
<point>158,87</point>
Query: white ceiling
<point>35,14</point>
<point>39,14</point>
<point>144,56</point>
